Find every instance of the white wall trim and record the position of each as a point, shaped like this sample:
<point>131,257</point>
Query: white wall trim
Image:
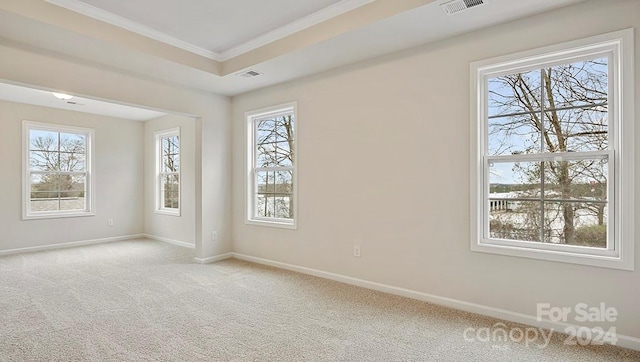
<point>213,259</point>
<point>170,241</point>
<point>623,341</point>
<point>70,244</point>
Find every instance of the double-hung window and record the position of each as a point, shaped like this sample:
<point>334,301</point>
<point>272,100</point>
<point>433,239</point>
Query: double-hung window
<point>57,171</point>
<point>168,171</point>
<point>271,171</point>
<point>552,166</point>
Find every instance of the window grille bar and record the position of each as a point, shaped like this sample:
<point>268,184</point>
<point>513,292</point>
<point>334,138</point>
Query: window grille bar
<point>549,109</point>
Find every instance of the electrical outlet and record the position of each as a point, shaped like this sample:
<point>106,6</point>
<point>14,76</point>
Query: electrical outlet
<point>356,250</point>
<point>110,222</point>
<point>214,235</point>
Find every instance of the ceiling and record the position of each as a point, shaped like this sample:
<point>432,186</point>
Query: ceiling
<point>207,44</point>
<point>28,95</point>
<point>213,26</point>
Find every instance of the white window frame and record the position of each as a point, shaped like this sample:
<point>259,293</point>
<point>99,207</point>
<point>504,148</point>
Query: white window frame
<point>159,184</point>
<point>618,46</point>
<point>250,176</point>
<point>89,133</point>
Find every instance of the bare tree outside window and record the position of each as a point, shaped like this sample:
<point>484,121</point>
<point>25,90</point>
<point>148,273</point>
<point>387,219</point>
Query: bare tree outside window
<point>562,110</point>
<point>169,175</point>
<point>57,171</point>
<point>274,164</point>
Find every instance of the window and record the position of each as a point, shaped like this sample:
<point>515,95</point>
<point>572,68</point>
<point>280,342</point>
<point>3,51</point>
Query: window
<point>552,153</point>
<point>57,171</point>
<point>271,160</point>
<point>168,172</point>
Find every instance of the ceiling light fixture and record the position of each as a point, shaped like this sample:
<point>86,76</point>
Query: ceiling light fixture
<point>62,96</point>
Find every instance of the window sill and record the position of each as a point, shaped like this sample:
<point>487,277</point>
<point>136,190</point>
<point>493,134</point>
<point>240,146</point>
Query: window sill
<point>167,212</point>
<point>272,223</point>
<point>57,215</point>
<point>604,261</point>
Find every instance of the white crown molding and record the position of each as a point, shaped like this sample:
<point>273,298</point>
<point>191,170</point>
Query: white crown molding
<point>113,19</point>
<point>308,21</point>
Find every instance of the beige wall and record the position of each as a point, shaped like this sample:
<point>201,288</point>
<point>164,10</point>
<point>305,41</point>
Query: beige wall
<point>179,228</point>
<point>212,145</point>
<point>118,186</point>
<point>383,162</point>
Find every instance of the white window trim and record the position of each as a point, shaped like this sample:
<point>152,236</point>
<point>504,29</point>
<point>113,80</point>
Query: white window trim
<point>621,256</point>
<point>26,172</point>
<point>250,185</point>
<point>159,209</point>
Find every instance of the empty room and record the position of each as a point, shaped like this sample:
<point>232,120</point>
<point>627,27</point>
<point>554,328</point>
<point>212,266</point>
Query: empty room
<point>319,180</point>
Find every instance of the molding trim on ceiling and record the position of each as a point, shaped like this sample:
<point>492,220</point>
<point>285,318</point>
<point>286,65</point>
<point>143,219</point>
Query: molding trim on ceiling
<point>308,21</point>
<point>113,19</point>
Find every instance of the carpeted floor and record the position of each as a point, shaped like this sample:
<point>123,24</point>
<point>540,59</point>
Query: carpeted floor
<point>144,300</point>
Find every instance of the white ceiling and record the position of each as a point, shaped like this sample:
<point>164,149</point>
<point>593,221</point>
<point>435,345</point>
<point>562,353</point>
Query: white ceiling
<point>236,26</point>
<point>217,29</point>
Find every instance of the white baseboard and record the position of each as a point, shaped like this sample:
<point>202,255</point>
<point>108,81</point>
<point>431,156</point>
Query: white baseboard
<point>623,341</point>
<point>170,241</point>
<point>213,259</point>
<point>69,244</point>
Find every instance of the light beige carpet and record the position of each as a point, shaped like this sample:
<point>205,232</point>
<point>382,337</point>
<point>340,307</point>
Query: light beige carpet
<point>145,300</point>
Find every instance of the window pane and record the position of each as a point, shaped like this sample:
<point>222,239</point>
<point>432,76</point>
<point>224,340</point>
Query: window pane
<point>266,131</point>
<point>518,134</point>
<point>45,183</point>
<point>171,154</point>
<point>577,130</point>
<point>73,143</point>
<point>77,183</point>
<point>277,129</point>
<point>171,163</point>
<point>73,162</point>
<point>44,161</point>
<point>576,223</point>
<point>72,201</point>
<point>170,191</point>
<point>283,207</point>
<point>170,145</point>
<point>577,84</point>
<point>515,220</point>
<point>284,182</point>
<point>266,155</point>
<point>284,128</point>
<point>514,180</point>
<point>44,201</point>
<point>265,205</point>
<point>284,156</point>
<point>514,93</point>
<point>43,140</point>
<point>579,179</point>
<point>266,182</point>
<point>276,154</point>
<point>261,200</point>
